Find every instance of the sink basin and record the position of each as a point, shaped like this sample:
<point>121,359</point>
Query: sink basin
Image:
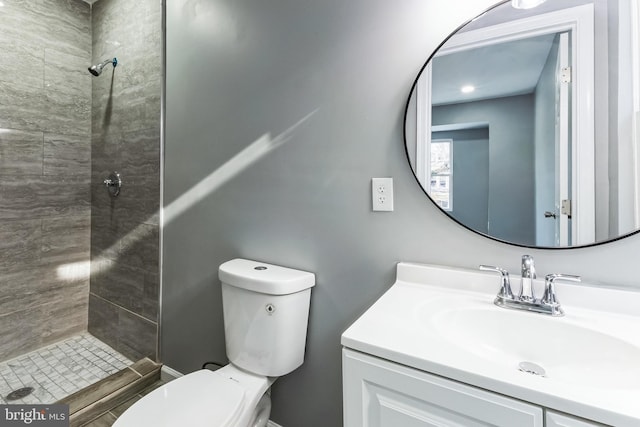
<point>567,352</point>
<point>443,321</point>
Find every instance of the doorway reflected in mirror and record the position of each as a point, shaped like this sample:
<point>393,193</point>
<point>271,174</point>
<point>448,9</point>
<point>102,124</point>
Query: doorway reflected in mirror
<point>543,142</point>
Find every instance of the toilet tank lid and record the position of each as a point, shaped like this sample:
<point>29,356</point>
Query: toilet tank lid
<point>265,278</point>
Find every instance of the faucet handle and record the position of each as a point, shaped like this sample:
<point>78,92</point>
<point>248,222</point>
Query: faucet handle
<point>505,283</point>
<point>549,297</point>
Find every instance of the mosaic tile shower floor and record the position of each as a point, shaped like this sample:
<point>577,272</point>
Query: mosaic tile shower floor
<point>59,369</point>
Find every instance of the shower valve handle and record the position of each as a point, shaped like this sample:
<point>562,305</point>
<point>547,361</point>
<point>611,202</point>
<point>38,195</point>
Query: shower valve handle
<point>113,183</point>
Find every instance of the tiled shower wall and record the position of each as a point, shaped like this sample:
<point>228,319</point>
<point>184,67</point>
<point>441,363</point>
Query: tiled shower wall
<point>45,133</point>
<point>123,303</point>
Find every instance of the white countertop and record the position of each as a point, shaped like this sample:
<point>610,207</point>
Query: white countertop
<point>399,327</point>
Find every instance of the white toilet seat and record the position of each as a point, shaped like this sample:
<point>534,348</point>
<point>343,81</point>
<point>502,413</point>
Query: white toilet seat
<point>201,399</point>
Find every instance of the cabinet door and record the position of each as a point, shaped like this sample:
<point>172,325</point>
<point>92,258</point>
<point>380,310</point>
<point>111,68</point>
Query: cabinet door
<point>378,393</point>
<point>555,419</point>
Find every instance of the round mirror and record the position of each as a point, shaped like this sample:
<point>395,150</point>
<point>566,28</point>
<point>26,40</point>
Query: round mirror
<point>524,125</point>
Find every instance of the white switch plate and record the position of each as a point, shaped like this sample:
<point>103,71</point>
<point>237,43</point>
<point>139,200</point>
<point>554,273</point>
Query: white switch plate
<point>382,194</point>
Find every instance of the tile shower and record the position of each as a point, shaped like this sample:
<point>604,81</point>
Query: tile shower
<point>71,258</point>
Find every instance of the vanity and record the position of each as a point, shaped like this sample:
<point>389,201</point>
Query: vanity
<point>435,350</point>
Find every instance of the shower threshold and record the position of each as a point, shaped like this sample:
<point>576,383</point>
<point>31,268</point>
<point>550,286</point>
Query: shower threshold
<point>58,370</point>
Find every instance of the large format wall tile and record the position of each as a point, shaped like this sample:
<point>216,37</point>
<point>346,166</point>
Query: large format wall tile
<point>151,295</point>
<point>138,336</point>
<point>68,73</point>
<point>67,155</point>
<point>21,107</point>
<point>120,285</point>
<point>143,152</point>
<point>139,247</point>
<point>66,239</point>
<point>38,286</point>
<point>125,137</point>
<point>28,245</point>
<point>20,241</point>
<point>131,334</point>
<point>138,201</point>
<point>103,319</point>
<point>36,324</point>
<point>45,172</point>
<point>66,319</point>
<point>60,130</point>
<point>49,109</point>
<point>40,197</point>
<point>19,333</point>
<point>64,25</point>
<point>21,64</point>
<point>67,113</point>
<point>20,152</point>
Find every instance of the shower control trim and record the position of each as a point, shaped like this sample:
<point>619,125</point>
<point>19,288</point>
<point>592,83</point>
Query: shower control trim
<point>113,184</point>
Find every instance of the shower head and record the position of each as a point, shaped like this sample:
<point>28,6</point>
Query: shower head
<point>97,69</point>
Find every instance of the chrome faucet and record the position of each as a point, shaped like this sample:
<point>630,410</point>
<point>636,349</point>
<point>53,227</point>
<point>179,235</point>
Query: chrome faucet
<point>526,282</point>
<point>549,298</point>
<point>526,300</point>
<point>505,283</point>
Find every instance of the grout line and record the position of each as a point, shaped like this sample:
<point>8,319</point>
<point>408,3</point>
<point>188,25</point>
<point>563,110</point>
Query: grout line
<point>123,308</point>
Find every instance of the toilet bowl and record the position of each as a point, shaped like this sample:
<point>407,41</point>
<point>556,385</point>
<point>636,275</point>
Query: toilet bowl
<point>228,397</point>
<point>265,310</point>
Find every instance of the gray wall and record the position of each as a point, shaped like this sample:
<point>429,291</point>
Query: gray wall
<point>545,154</point>
<point>45,122</point>
<point>511,160</point>
<point>470,176</point>
<point>240,70</point>
<point>123,303</point>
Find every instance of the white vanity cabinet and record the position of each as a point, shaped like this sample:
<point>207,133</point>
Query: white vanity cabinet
<point>379,393</point>
<point>555,419</point>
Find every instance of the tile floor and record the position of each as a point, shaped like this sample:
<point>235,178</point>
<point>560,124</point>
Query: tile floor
<point>60,369</point>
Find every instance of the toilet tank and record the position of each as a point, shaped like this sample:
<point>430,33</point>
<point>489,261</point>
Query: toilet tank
<point>266,308</point>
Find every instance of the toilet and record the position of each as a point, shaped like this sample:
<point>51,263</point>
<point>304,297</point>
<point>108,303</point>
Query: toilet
<point>265,308</point>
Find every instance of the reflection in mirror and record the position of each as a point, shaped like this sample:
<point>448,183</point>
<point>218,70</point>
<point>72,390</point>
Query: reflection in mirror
<point>523,126</point>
